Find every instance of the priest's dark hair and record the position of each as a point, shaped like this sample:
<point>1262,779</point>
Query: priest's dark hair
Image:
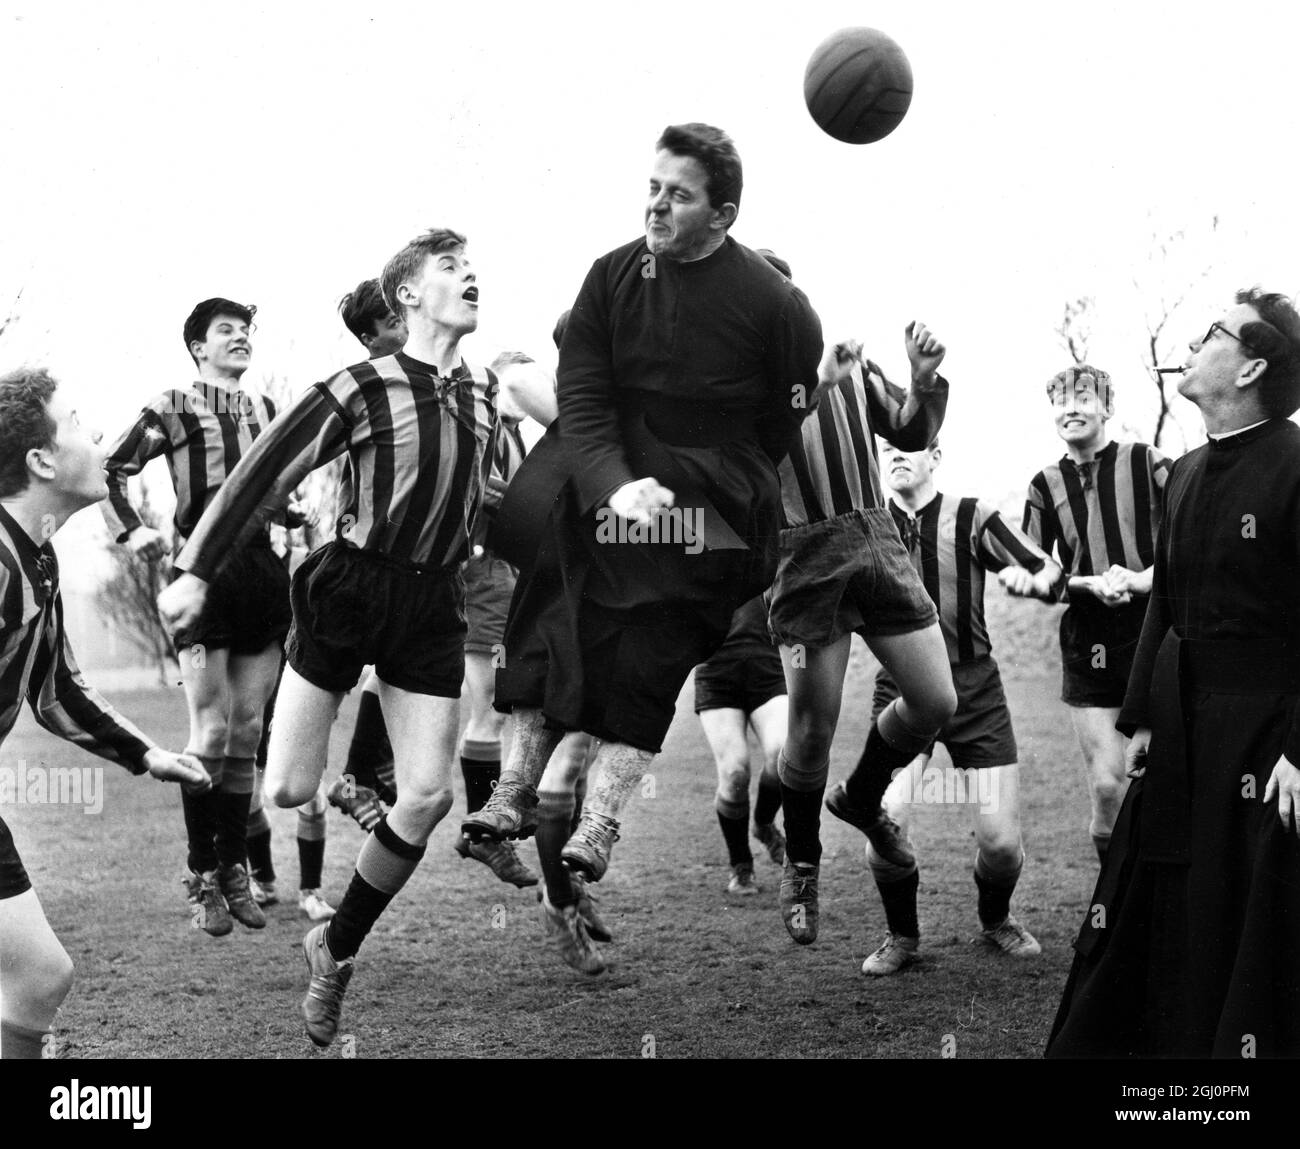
<point>713,148</point>
<point>1275,337</point>
<point>25,423</point>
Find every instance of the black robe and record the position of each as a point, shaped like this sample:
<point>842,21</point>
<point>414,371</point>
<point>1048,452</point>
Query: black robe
<point>1191,946</point>
<point>697,374</point>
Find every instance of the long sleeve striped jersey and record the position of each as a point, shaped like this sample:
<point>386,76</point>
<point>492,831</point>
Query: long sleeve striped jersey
<point>36,661</point>
<point>419,449</point>
<point>507,457</point>
<point>204,430</point>
<point>1100,513</point>
<point>952,542</point>
<point>833,466</point>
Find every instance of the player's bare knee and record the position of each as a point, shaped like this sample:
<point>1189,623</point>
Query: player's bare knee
<point>1000,850</point>
<point>45,983</point>
<point>286,792</point>
<point>733,779</point>
<point>428,807</point>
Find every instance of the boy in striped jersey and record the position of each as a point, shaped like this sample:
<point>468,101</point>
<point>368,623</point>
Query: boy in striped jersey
<point>952,542</point>
<point>1099,507</point>
<point>50,467</point>
<point>230,656</point>
<point>418,429</point>
<point>843,570</point>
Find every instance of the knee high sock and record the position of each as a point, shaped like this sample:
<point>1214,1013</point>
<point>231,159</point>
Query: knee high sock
<point>621,770</point>
<point>200,812</point>
<point>384,866</point>
<point>233,802</point>
<point>370,748</point>
<point>769,796</point>
<point>311,848</point>
<point>18,1043</point>
<point>891,745</point>
<point>802,788</point>
<point>733,818</point>
<point>899,898</point>
<point>530,748</point>
<point>554,827</point>
<point>259,837</point>
<point>995,890</point>
<point>480,766</point>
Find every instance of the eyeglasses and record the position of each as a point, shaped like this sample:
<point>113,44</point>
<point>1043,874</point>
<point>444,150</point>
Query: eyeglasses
<point>1219,327</point>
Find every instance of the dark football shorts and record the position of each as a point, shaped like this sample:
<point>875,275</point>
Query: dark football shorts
<point>247,608</point>
<point>1097,648</point>
<point>13,877</point>
<point>745,672</point>
<point>846,574</point>
<point>979,734</point>
<point>489,586</point>
<point>353,608</point>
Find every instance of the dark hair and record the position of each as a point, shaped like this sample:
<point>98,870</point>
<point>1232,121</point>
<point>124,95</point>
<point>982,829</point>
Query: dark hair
<point>407,262</point>
<point>506,358</point>
<point>25,423</point>
<point>196,326</point>
<point>561,326</point>
<point>364,308</point>
<point>716,154</point>
<point>1275,337</point>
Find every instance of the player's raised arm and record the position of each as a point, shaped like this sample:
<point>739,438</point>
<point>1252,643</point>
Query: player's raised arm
<point>910,419</point>
<point>154,433</point>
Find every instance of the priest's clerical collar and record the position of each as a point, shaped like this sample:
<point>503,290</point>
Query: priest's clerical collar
<point>1219,436</point>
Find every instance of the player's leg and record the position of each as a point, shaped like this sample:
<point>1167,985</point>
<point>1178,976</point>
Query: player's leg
<point>815,679</point>
<point>365,788</point>
<point>261,867</point>
<point>726,733</point>
<point>770,721</point>
<point>311,857</point>
<point>204,675</point>
<point>897,884</point>
<point>35,971</point>
<point>251,679</point>
<point>1103,748</point>
<point>616,771</point>
<point>511,811</point>
<point>299,744</point>
<point>993,796</point>
<point>564,897</point>
<point>480,761</point>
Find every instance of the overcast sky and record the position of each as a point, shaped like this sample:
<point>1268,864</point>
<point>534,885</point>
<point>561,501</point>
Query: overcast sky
<point>156,154</point>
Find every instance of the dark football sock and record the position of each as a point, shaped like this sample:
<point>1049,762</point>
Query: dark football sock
<point>370,746</point>
<point>995,890</point>
<point>259,855</point>
<point>899,899</point>
<point>18,1043</point>
<point>480,765</point>
<point>554,819</point>
<point>870,779</point>
<point>733,817</point>
<point>768,802</point>
<point>311,849</point>
<point>385,864</point>
<point>579,797</point>
<point>802,812</point>
<point>1101,843</point>
<point>200,812</point>
<point>233,801</point>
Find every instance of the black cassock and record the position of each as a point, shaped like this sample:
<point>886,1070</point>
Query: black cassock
<point>1191,946</point>
<point>697,374</point>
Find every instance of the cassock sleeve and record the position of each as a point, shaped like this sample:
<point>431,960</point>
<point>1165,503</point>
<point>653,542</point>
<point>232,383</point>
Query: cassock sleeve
<point>794,349</point>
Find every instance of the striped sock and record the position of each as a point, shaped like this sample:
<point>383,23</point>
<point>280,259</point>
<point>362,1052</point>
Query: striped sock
<point>384,865</point>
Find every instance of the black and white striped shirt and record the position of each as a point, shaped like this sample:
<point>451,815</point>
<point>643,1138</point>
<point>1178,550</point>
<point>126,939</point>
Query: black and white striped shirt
<point>952,542</point>
<point>36,662</point>
<point>833,466</point>
<point>507,457</point>
<point>1100,513</point>
<point>204,430</point>
<point>419,450</point>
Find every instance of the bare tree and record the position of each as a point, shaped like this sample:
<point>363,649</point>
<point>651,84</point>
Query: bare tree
<point>15,310</point>
<point>129,596</point>
<point>1075,328</point>
<point>1172,282</point>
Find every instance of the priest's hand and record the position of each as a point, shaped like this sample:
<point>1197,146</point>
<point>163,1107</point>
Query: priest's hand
<point>638,501</point>
<point>1285,783</point>
<point>1135,757</point>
